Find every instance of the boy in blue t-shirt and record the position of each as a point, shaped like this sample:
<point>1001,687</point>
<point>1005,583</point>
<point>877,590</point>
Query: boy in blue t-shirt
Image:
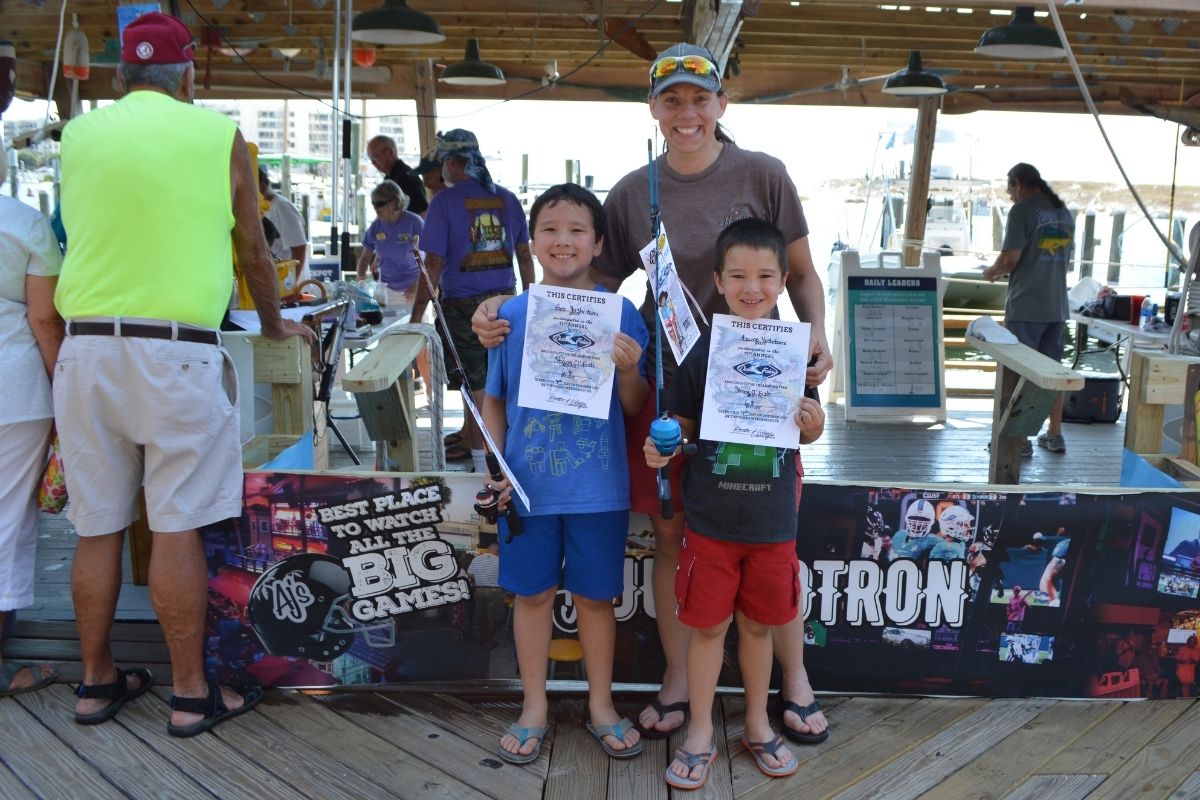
<point>739,537</point>
<point>574,470</point>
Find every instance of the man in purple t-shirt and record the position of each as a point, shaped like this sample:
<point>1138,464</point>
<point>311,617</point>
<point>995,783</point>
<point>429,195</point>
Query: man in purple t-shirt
<point>472,230</point>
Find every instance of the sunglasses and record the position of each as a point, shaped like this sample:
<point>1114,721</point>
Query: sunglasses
<point>693,65</point>
<point>381,203</point>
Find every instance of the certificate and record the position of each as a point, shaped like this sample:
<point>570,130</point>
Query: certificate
<point>755,381</point>
<point>567,361</point>
<point>670,296</point>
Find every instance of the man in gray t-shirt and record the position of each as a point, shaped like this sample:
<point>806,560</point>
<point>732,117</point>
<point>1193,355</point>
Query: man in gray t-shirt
<point>1038,242</point>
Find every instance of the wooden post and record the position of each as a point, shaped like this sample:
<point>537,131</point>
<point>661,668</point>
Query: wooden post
<point>1114,247</point>
<point>1087,254</point>
<point>426,94</point>
<point>918,186</point>
<point>997,229</point>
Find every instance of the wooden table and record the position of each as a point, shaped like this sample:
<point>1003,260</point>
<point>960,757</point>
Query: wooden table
<point>382,386</point>
<point>1027,383</point>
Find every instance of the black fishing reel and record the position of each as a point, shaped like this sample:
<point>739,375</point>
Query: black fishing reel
<point>487,504</point>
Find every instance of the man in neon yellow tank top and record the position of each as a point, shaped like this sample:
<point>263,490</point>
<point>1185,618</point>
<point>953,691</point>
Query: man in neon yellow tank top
<point>143,392</point>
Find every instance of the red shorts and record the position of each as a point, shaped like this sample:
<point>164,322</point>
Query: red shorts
<point>643,481</point>
<point>715,577</point>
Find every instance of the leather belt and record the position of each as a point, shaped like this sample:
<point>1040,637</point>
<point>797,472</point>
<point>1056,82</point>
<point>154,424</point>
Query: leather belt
<point>144,331</point>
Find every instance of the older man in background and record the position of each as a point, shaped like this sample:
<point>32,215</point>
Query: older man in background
<point>144,394</point>
<point>381,150</point>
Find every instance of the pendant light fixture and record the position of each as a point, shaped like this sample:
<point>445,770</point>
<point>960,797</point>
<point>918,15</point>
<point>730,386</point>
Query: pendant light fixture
<point>912,81</point>
<point>395,23</point>
<point>1022,38</point>
<point>473,70</point>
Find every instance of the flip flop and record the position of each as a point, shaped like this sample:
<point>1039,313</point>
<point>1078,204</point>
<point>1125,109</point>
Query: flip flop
<point>800,737</point>
<point>212,707</point>
<point>9,670</point>
<point>662,711</point>
<point>771,748</point>
<point>118,692</point>
<point>523,735</point>
<point>457,452</point>
<point>618,732</point>
<point>451,439</point>
<point>691,761</point>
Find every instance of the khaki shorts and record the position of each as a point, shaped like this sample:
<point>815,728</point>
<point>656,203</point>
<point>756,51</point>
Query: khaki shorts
<point>153,412</point>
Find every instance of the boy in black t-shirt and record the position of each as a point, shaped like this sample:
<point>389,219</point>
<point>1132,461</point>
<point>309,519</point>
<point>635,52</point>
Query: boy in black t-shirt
<point>739,545</point>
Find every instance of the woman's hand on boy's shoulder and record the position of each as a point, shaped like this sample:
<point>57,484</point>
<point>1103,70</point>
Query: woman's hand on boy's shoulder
<point>627,353</point>
<point>487,325</point>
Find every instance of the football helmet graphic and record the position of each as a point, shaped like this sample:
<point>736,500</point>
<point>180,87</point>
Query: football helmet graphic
<point>918,519</point>
<point>297,608</point>
<point>957,523</point>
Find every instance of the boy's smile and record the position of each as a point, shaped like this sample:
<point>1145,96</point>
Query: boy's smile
<point>751,281</point>
<point>564,242</point>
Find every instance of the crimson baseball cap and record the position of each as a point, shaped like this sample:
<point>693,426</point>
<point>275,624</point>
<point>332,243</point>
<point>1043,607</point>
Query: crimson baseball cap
<point>157,38</point>
<point>685,63</point>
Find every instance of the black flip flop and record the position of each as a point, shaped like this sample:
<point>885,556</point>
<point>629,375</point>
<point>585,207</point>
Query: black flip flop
<point>458,452</point>
<point>451,439</point>
<point>118,692</point>
<point>802,712</point>
<point>662,711</point>
<point>212,707</point>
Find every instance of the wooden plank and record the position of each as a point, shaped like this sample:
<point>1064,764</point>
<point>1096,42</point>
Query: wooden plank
<point>384,364</point>
<point>578,767</point>
<point>1044,372</point>
<point>68,650</point>
<point>387,414</point>
<point>279,750</point>
<point>1189,789</point>
<point>1159,767</point>
<point>478,768</point>
<point>1027,409</point>
<point>279,360</point>
<point>11,787</point>
<point>1007,764</point>
<point>136,770</point>
<point>639,778</point>
<point>1144,419</point>
<point>206,759</point>
<point>848,759</point>
<point>37,757</point>
<point>1125,731</point>
<point>371,756</point>
<point>952,748</point>
<point>1060,787</point>
<point>483,726</point>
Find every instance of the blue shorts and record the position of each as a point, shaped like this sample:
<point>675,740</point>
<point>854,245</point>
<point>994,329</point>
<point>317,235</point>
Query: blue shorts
<point>582,553</point>
<point>1045,337</point>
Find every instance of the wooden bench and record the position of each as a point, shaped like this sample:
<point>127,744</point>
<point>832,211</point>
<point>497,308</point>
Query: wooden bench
<point>1027,383</point>
<point>382,385</point>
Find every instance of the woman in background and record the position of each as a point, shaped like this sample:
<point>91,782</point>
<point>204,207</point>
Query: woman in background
<point>30,334</point>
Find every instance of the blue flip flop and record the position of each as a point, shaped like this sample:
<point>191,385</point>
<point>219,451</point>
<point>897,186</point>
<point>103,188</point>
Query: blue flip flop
<point>803,712</point>
<point>770,748</point>
<point>618,732</point>
<point>523,735</point>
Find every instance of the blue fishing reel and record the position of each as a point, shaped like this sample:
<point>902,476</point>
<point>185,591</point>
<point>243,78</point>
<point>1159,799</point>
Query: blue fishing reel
<point>666,434</point>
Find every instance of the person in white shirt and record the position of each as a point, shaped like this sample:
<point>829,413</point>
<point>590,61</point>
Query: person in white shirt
<point>293,241</point>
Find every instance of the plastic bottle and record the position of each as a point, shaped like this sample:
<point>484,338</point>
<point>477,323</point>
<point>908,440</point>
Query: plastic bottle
<point>1147,314</point>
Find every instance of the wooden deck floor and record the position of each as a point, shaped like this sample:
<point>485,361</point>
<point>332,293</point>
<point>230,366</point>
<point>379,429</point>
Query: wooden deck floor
<point>357,744</point>
<point>361,744</point>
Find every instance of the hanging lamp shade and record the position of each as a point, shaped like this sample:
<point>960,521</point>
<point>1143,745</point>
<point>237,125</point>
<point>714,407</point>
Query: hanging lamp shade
<point>912,81</point>
<point>473,70</point>
<point>395,23</point>
<point>1022,38</point>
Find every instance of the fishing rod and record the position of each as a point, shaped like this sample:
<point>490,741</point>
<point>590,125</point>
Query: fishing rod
<point>487,500</point>
<point>664,430</point>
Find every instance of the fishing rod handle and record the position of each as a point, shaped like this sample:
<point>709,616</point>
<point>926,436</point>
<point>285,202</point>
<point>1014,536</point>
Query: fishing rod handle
<point>515,528</point>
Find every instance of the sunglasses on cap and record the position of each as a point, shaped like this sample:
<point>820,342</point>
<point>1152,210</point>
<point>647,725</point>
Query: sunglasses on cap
<point>694,65</point>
